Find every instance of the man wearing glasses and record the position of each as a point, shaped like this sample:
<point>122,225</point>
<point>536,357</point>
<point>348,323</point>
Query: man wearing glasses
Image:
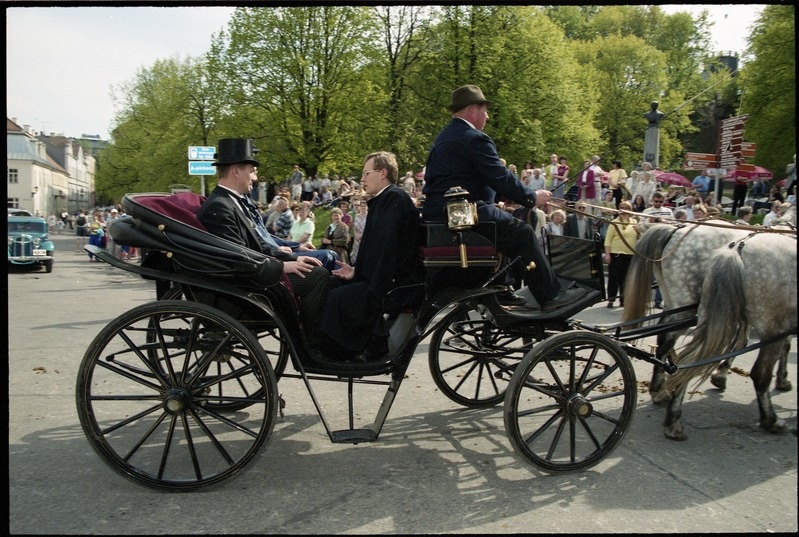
<point>352,321</point>
<point>463,155</point>
<point>657,210</point>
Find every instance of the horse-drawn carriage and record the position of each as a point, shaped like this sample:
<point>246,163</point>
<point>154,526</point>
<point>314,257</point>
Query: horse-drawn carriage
<point>181,393</point>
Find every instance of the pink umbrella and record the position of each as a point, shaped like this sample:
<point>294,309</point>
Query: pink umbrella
<point>748,175</point>
<point>672,178</point>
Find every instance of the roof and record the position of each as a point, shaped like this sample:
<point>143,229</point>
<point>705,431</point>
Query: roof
<point>21,147</point>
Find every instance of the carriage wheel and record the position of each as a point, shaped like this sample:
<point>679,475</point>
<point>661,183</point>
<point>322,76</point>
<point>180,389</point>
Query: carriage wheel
<point>155,391</point>
<point>269,336</point>
<point>471,360</point>
<point>570,401</point>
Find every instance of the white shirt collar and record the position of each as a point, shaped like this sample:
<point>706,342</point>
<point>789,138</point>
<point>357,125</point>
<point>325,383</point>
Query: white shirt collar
<point>467,122</point>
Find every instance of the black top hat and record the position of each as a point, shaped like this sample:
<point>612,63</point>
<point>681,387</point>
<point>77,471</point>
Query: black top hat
<point>466,95</point>
<point>235,151</point>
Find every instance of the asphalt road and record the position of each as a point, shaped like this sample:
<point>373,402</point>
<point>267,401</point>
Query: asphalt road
<point>436,468</point>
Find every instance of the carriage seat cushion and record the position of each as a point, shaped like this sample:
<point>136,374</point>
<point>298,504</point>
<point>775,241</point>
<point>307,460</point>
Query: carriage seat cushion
<point>439,246</point>
<point>182,206</point>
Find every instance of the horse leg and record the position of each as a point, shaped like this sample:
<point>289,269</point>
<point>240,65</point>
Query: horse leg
<point>719,377</point>
<point>782,383</point>
<point>673,426</point>
<point>761,374</point>
<point>659,395</point>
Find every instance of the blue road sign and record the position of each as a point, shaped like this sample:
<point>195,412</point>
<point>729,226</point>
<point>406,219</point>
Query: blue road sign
<point>201,168</point>
<point>201,152</point>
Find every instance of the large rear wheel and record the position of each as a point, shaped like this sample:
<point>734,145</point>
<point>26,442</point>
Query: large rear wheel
<point>176,395</point>
<point>266,331</point>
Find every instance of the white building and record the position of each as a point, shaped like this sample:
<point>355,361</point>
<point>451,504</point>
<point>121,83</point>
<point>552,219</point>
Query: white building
<point>47,173</point>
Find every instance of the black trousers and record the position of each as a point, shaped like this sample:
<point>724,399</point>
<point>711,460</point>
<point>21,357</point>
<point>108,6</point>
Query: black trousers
<point>517,238</point>
<point>617,273</point>
<point>312,290</point>
<point>738,197</point>
<point>617,196</point>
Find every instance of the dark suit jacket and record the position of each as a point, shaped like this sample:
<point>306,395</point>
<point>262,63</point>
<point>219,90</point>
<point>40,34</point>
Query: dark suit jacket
<point>571,228</point>
<point>223,216</point>
<point>464,156</point>
<point>387,258</point>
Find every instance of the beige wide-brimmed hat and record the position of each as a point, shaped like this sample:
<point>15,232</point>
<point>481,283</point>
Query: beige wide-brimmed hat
<point>466,95</point>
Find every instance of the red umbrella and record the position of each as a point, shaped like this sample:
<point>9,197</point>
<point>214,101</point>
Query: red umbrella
<point>748,175</point>
<point>672,178</point>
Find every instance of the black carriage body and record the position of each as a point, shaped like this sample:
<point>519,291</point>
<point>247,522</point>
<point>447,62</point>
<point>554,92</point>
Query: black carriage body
<point>243,297</point>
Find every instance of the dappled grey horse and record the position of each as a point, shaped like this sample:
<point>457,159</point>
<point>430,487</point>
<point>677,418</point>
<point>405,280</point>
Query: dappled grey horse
<point>681,259</point>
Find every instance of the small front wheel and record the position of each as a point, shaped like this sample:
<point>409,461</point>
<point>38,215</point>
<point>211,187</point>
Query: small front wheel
<point>471,359</point>
<point>570,401</point>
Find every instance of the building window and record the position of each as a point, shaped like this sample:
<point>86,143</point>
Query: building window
<point>13,176</point>
<point>13,203</point>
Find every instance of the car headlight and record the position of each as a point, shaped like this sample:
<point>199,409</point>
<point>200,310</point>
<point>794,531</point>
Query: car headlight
<point>10,241</point>
<point>36,241</point>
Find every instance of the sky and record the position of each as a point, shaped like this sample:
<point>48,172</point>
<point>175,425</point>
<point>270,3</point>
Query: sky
<point>62,62</point>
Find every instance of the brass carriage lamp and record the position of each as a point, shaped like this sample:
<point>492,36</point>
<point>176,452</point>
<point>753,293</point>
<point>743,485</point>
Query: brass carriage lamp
<point>461,216</point>
<point>461,213</point>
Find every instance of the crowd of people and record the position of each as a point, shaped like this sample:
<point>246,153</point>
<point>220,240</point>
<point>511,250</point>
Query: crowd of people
<point>92,228</point>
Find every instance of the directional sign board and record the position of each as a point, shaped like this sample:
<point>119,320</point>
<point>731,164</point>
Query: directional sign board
<point>201,152</point>
<point>699,161</point>
<point>731,136</point>
<point>201,168</point>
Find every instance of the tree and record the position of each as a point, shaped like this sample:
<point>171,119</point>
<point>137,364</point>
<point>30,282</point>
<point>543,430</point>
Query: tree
<point>769,88</point>
<point>163,110</point>
<point>293,72</point>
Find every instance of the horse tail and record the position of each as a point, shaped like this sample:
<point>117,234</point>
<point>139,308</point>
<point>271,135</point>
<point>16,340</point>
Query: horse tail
<point>638,285</point>
<point>723,326</point>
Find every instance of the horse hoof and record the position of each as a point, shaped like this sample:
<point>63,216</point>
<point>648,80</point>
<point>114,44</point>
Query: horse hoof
<point>660,398</point>
<point>719,381</point>
<point>783,385</point>
<point>674,432</point>
<point>778,427</point>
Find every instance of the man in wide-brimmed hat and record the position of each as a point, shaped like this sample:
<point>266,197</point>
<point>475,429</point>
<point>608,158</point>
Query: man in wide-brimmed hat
<point>229,213</point>
<point>463,155</point>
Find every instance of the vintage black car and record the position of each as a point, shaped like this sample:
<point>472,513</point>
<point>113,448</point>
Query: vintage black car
<point>28,243</point>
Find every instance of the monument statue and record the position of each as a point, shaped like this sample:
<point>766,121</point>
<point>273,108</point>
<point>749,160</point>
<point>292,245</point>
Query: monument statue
<point>654,115</point>
<point>652,134</point>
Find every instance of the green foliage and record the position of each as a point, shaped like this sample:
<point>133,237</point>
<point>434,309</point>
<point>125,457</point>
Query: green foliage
<point>769,88</point>
<point>165,109</point>
<point>324,85</point>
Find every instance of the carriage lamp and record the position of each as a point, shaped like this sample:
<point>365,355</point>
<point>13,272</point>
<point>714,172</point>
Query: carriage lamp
<point>461,216</point>
<point>461,213</point>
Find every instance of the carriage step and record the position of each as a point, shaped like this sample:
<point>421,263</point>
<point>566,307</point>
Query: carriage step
<point>353,436</point>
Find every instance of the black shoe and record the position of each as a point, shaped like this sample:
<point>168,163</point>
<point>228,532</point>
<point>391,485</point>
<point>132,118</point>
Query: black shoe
<point>659,306</point>
<point>509,298</point>
<point>564,298</point>
<point>610,304</point>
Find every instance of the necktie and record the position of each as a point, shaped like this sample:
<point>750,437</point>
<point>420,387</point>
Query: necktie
<point>252,212</point>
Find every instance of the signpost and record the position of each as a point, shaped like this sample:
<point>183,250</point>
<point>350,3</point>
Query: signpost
<point>201,168</point>
<point>200,163</point>
<point>731,136</point>
<point>699,161</point>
